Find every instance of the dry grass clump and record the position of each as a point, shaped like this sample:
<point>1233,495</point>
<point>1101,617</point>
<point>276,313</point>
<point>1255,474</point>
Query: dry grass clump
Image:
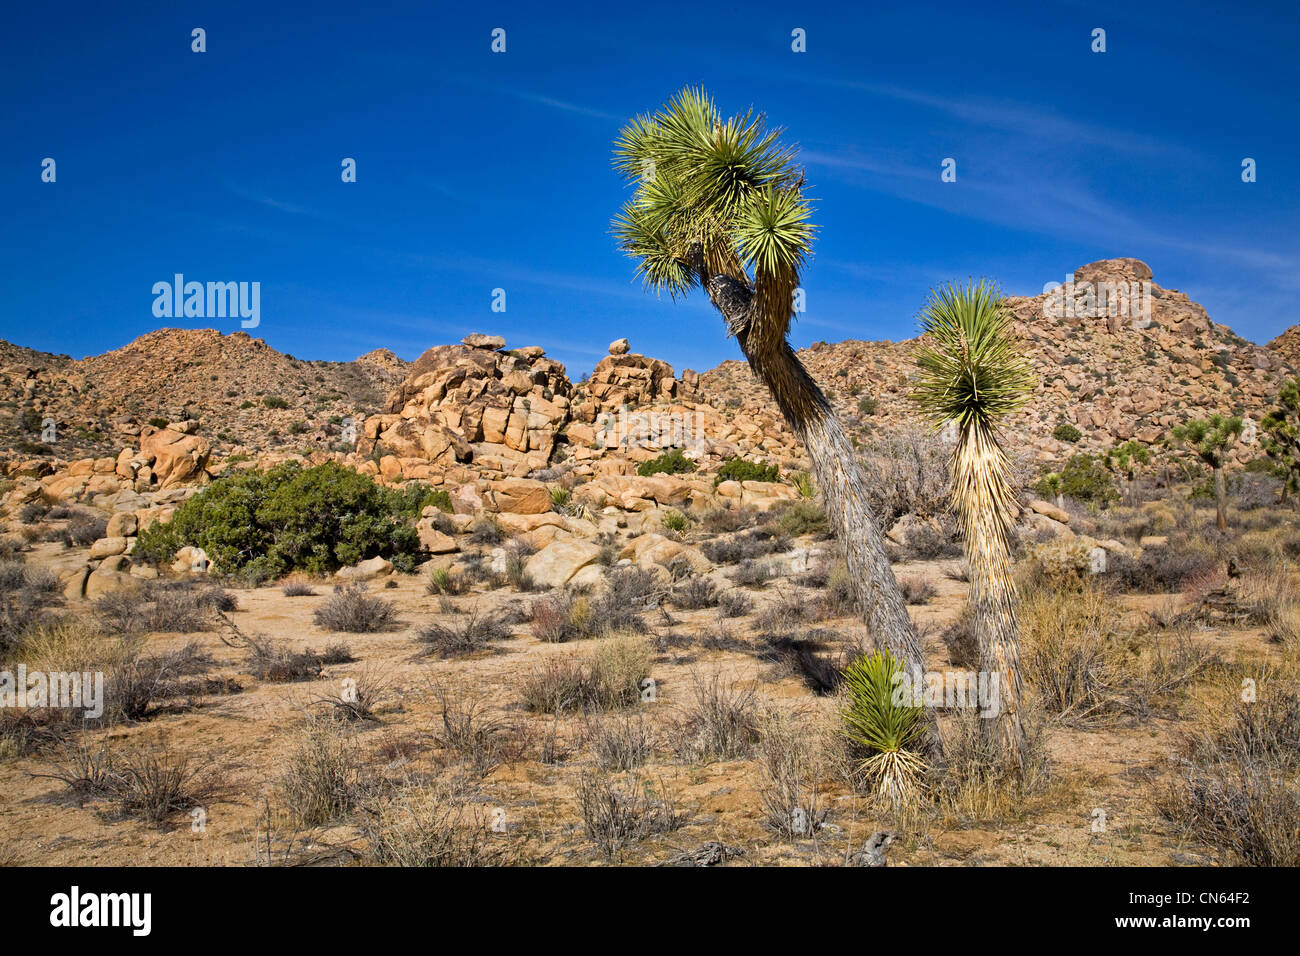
<point>172,607</point>
<point>273,661</point>
<point>444,581</point>
<point>752,574</point>
<point>720,721</point>
<point>323,780</point>
<point>149,782</point>
<point>352,610</point>
<point>789,771</point>
<point>733,603</point>
<point>617,814</point>
<point>610,677</point>
<point>972,782</point>
<point>622,741</point>
<point>475,633</point>
<point>1087,670</point>
<point>917,590</point>
<point>433,826</point>
<point>1237,789</point>
<point>562,616</point>
<point>298,589</point>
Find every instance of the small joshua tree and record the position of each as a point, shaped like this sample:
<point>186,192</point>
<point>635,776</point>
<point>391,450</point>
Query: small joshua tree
<point>1127,461</point>
<point>1211,439</point>
<point>972,372</point>
<point>1280,436</point>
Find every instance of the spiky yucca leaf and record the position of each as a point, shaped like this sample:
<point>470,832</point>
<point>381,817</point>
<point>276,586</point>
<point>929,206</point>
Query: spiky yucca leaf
<point>726,190</point>
<point>971,367</point>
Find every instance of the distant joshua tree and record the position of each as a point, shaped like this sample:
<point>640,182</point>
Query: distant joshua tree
<point>1127,461</point>
<point>973,372</point>
<point>1211,439</point>
<point>719,205</point>
<point>1280,436</point>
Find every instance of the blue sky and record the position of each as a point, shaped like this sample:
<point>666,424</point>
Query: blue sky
<point>478,170</point>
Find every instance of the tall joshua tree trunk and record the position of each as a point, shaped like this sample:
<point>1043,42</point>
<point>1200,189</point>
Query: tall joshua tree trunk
<point>834,466</point>
<point>979,469</point>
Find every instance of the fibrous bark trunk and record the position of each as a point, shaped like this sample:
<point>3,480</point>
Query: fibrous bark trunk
<point>834,466</point>
<point>1220,499</point>
<point>979,481</point>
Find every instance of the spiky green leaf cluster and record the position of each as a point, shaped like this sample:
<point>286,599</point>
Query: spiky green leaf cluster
<point>872,717</point>
<point>725,187</point>
<point>1210,438</point>
<point>971,367</point>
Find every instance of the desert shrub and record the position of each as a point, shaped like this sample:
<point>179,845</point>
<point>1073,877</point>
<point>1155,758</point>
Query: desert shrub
<point>798,518</point>
<point>917,590</point>
<point>414,496</point>
<point>485,530</point>
<point>629,590</point>
<point>867,406</point>
<point>434,827</point>
<point>740,469</point>
<point>1067,433</point>
<point>1235,791</point>
<point>151,784</point>
<point>693,593</point>
<point>669,463</point>
<point>562,616</point>
<point>475,633</point>
<point>788,775</point>
<point>1164,569</point>
<point>174,607</point>
<point>674,520</point>
<point>803,483</point>
<point>616,815</point>
<point>752,574</point>
<point>298,589</point>
<point>724,520</point>
<point>275,402</point>
<point>733,603</point>
<point>323,779</point>
<point>610,677</point>
<point>622,742</point>
<point>273,661</point>
<point>720,721</point>
<point>907,474</point>
<point>352,610</point>
<point>268,523</point>
<point>841,597</point>
<point>468,732</point>
<point>85,529</point>
<point>755,543</point>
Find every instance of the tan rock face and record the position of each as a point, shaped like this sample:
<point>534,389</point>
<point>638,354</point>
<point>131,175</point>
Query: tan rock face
<point>559,561</point>
<point>523,496</point>
<point>176,457</point>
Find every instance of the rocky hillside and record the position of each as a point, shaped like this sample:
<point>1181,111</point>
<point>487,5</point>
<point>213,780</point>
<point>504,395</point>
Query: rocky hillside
<point>1287,346</point>
<point>1113,377</point>
<point>244,394</point>
<point>1118,357</point>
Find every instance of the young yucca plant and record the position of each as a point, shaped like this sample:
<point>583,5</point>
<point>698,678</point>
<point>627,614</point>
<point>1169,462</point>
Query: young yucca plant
<point>892,731</point>
<point>972,372</point>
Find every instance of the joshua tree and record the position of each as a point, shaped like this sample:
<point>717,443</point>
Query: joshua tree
<point>719,206</point>
<point>972,372</point>
<point>1281,436</point>
<point>1127,461</point>
<point>1211,439</point>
